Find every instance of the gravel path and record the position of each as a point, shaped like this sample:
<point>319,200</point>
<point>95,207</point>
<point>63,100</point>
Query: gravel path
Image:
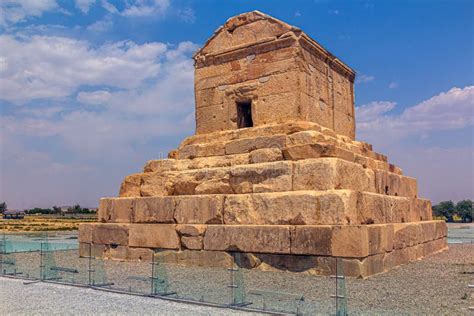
<point>435,285</point>
<point>53,299</point>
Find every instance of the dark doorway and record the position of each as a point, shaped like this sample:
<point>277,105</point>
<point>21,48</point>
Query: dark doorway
<point>244,114</point>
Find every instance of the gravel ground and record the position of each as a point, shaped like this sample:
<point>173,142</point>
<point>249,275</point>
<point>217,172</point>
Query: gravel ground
<point>435,285</point>
<point>53,299</point>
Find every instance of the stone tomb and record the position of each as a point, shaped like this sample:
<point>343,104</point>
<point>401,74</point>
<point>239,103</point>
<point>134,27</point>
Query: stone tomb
<point>273,171</point>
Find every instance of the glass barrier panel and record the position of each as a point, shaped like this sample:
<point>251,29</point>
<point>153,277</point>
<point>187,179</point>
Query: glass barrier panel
<point>194,275</point>
<point>123,275</point>
<point>269,286</point>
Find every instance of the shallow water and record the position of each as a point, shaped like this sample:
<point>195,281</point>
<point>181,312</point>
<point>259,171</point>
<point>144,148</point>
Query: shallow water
<point>23,242</point>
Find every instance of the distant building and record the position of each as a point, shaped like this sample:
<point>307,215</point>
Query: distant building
<point>13,214</point>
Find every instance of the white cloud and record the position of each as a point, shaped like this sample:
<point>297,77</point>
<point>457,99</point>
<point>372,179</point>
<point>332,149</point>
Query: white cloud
<point>14,11</point>
<point>393,85</point>
<point>96,97</point>
<point>46,67</point>
<point>443,166</point>
<point>453,109</point>
<point>187,15</point>
<point>362,78</point>
<point>140,8</point>
<point>84,5</point>
<point>82,153</point>
<point>101,25</point>
<point>109,7</point>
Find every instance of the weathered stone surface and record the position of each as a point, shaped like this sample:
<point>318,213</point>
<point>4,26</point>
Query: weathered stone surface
<point>250,144</point>
<point>154,236</point>
<point>205,209</point>
<point>394,184</point>
<point>201,150</point>
<point>264,239</point>
<point>331,173</point>
<point>192,242</point>
<point>116,210</point>
<point>380,238</point>
<point>264,177</point>
<point>311,240</point>
<point>265,155</point>
<point>131,186</point>
<point>163,165</point>
<point>294,208</point>
<point>85,232</point>
<point>350,241</point>
<point>110,234</point>
<point>407,235</point>
<point>154,210</point>
<point>317,150</point>
<point>191,230</point>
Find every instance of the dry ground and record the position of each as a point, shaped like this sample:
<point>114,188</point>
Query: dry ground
<point>40,223</point>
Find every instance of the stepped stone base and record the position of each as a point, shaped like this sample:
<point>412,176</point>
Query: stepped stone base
<point>365,249</point>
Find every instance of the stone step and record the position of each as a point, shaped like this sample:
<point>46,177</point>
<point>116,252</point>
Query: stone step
<point>311,264</point>
<point>246,145</point>
<point>309,174</point>
<point>331,207</point>
<point>348,241</point>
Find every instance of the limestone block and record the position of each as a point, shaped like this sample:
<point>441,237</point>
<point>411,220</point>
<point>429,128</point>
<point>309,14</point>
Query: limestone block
<point>441,229</point>
<point>263,177</point>
<point>87,250</point>
<point>428,231</point>
<point>154,210</point>
<point>201,150</point>
<point>85,232</point>
<point>212,118</point>
<point>372,265</point>
<point>294,208</point>
<point>271,208</point>
<point>203,181</point>
<point>423,210</point>
<point>110,234</point>
<point>350,241</point>
<point>316,150</point>
<point>319,111</point>
<point>156,183</point>
<point>406,235</point>
<point>394,184</point>
<point>344,124</point>
<point>265,155</point>
<point>131,186</point>
<point>163,165</point>
<point>116,210</point>
<point>260,239</point>
<point>192,242</point>
<point>204,209</point>
<point>276,108</point>
<point>380,238</point>
<point>154,236</point>
<point>191,230</point>
<point>434,246</point>
<point>374,208</point>
<point>219,161</point>
<point>311,240</point>
<point>309,137</point>
<point>249,144</point>
<point>331,173</point>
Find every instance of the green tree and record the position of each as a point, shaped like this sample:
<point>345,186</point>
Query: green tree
<point>75,209</point>
<point>446,209</point>
<point>3,207</point>
<point>56,210</point>
<point>464,210</point>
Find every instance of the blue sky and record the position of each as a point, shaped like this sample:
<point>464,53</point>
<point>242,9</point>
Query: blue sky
<point>92,89</point>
